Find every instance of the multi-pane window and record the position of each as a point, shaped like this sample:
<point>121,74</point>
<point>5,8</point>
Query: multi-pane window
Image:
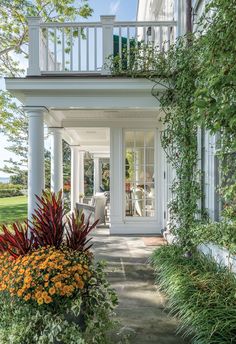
<point>139,173</point>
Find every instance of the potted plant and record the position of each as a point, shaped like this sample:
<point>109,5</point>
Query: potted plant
<point>51,289</point>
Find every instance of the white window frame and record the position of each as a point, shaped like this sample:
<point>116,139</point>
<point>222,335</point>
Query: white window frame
<point>140,218</point>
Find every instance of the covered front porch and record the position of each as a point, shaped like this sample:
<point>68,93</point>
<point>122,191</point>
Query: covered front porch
<point>113,118</point>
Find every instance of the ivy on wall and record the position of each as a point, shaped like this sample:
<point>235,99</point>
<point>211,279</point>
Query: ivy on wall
<point>215,96</point>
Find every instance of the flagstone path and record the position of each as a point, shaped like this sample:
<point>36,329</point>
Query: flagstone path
<point>141,306</point>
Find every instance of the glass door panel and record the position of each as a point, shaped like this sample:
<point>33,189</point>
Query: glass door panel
<point>139,173</point>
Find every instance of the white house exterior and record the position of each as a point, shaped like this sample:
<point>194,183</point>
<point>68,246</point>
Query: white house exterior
<point>74,95</point>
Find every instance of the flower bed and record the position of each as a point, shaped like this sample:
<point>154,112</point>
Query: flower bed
<point>199,292</point>
<point>51,290</point>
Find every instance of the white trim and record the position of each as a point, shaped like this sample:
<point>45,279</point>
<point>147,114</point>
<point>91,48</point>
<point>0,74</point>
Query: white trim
<point>130,219</point>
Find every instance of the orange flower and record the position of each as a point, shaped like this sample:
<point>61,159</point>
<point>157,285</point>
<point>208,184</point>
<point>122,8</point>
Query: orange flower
<point>27,297</point>
<point>48,299</point>
<point>44,274</point>
<point>46,277</point>
<point>44,294</point>
<point>52,291</point>
<point>20,293</point>
<point>58,285</point>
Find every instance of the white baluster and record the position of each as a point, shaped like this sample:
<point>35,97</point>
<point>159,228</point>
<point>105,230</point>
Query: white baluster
<point>55,49</point>
<point>87,49</point>
<point>63,49</point>
<point>71,49</point>
<point>79,49</point>
<point>95,49</point>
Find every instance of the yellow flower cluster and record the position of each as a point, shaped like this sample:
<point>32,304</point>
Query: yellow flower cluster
<point>44,274</point>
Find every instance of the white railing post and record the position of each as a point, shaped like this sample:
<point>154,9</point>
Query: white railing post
<point>34,45</point>
<point>107,40</point>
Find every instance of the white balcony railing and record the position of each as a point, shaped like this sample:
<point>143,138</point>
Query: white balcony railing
<point>75,48</point>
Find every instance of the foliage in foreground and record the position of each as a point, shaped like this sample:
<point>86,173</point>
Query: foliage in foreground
<point>219,233</point>
<point>51,290</point>
<point>200,293</point>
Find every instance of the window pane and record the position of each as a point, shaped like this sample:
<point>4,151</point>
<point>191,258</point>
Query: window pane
<point>139,173</point>
<point>149,156</point>
<point>129,139</point>
<point>139,138</point>
<point>149,139</point>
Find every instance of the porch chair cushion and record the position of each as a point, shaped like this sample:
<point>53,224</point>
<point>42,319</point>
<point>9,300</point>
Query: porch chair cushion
<point>96,208</point>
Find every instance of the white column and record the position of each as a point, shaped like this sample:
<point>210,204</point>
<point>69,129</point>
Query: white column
<point>116,180</point>
<point>96,175</point>
<point>74,176</point>
<point>181,25</point>
<point>34,45</point>
<point>81,172</point>
<point>107,40</point>
<point>56,160</point>
<point>35,155</point>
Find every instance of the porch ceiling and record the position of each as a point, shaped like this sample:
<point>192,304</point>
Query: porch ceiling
<point>93,140</point>
<point>102,118</point>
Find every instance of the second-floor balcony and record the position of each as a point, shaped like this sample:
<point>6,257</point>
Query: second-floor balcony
<point>84,47</point>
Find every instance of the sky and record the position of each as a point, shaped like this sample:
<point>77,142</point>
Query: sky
<point>123,9</point>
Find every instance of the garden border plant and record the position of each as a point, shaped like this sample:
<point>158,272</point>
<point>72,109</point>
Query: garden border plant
<point>199,292</point>
<point>51,290</point>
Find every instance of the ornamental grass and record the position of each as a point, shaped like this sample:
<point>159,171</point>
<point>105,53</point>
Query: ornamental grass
<point>200,293</point>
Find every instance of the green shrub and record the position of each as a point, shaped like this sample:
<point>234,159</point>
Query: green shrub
<point>10,186</point>
<point>220,233</point>
<point>200,293</point>
<point>10,190</point>
<point>10,193</point>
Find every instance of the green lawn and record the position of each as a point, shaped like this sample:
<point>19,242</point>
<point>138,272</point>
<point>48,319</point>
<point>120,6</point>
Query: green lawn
<point>13,209</point>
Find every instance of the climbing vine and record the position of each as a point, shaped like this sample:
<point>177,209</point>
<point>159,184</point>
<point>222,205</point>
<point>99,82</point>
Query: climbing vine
<point>215,96</point>
<point>198,74</point>
<point>179,138</point>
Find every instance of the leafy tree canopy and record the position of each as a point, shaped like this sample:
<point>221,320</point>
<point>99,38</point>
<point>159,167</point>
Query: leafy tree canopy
<point>13,49</point>
<point>14,28</point>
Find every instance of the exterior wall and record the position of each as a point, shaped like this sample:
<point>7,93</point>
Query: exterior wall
<point>155,10</point>
<point>220,255</point>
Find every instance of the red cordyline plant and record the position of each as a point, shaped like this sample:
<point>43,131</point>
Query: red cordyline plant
<point>77,232</point>
<point>47,223</point>
<point>16,241</point>
<point>47,228</point>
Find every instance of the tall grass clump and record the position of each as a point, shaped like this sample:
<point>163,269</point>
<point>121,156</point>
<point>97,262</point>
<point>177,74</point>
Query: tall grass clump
<point>200,293</point>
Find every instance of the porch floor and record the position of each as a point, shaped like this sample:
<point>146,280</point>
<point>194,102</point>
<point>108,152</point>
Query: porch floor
<point>141,306</point>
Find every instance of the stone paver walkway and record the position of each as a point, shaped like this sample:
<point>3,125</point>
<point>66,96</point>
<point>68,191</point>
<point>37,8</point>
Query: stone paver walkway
<point>141,306</point>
